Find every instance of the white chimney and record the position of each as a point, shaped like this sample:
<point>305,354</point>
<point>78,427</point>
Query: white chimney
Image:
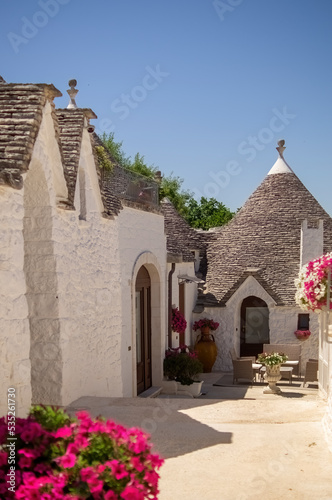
<point>311,242</point>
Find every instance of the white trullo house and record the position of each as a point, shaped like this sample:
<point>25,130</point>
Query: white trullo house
<point>83,259</point>
<point>252,262</point>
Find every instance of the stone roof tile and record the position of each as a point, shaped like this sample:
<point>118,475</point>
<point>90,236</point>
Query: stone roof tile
<point>21,110</point>
<point>112,203</point>
<point>181,238</point>
<point>71,122</point>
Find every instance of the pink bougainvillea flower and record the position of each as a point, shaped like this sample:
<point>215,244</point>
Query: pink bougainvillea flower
<point>132,493</point>
<point>3,458</point>
<point>25,462</point>
<point>95,485</point>
<point>42,468</point>
<point>156,461</point>
<point>31,432</point>
<point>81,442</point>
<point>63,432</point>
<point>152,478</point>
<point>67,461</point>
<point>119,470</point>
<point>110,495</point>
<point>88,473</point>
<point>136,464</point>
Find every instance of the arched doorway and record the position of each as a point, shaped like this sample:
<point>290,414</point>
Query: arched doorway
<point>254,326</point>
<point>143,329</point>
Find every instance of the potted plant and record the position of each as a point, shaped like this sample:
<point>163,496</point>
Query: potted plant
<point>204,324</point>
<point>272,362</point>
<point>182,365</point>
<point>302,334</point>
<point>312,284</point>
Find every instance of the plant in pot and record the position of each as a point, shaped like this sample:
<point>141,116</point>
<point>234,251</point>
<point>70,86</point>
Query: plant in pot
<point>183,366</point>
<point>302,334</point>
<point>313,284</point>
<point>272,362</point>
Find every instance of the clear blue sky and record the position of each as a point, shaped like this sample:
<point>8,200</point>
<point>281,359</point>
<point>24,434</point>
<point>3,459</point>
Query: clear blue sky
<point>201,88</point>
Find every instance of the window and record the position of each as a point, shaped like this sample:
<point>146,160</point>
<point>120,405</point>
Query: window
<point>303,322</point>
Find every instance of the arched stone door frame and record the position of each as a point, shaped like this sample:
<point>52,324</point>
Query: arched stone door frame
<point>150,262</point>
<point>254,329</point>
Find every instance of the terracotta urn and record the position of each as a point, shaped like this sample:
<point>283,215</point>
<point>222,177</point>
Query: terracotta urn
<point>206,349</point>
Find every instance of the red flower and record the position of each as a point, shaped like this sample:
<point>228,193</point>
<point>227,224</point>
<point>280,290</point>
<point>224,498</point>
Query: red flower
<point>179,324</point>
<point>205,322</point>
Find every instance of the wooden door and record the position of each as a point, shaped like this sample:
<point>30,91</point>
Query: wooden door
<point>254,326</point>
<point>143,330</point>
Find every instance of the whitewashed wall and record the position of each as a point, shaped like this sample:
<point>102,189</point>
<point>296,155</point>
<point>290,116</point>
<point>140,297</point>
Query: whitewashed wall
<point>80,271</point>
<point>14,324</point>
<point>89,292</point>
<point>141,242</point>
<point>283,323</point>
<point>190,295</point>
<point>43,187</point>
<point>325,372</point>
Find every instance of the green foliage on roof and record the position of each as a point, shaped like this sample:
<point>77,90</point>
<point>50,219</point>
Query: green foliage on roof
<point>203,214</point>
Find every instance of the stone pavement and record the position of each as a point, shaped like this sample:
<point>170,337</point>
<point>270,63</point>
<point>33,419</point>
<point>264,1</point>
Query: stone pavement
<point>233,443</point>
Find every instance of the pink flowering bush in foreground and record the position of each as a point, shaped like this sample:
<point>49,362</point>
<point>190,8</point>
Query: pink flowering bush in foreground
<point>58,457</point>
<point>311,284</point>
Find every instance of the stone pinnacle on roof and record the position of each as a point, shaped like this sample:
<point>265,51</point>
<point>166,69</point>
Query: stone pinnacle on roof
<point>2,80</point>
<point>281,166</point>
<point>72,92</point>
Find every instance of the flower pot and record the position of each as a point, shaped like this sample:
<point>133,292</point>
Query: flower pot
<point>206,350</point>
<point>302,337</point>
<point>193,389</point>
<point>272,376</point>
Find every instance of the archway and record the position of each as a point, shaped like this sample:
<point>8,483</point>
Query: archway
<point>143,329</point>
<point>254,326</point>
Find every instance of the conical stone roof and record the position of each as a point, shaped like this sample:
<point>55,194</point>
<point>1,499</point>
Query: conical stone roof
<point>264,238</point>
<point>181,239</point>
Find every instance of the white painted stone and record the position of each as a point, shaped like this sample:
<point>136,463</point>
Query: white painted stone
<point>280,167</point>
<point>325,371</point>
<point>14,325</point>
<point>312,242</point>
<point>184,268</point>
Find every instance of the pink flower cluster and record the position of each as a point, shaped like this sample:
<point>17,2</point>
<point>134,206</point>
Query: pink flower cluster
<point>312,286</point>
<point>205,322</point>
<point>85,459</point>
<point>179,324</point>
<point>302,334</point>
<point>175,351</point>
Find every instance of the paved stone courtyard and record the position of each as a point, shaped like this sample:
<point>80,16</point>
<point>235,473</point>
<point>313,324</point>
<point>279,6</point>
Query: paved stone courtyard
<point>233,443</point>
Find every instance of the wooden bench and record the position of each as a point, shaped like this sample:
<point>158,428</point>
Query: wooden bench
<point>293,351</point>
